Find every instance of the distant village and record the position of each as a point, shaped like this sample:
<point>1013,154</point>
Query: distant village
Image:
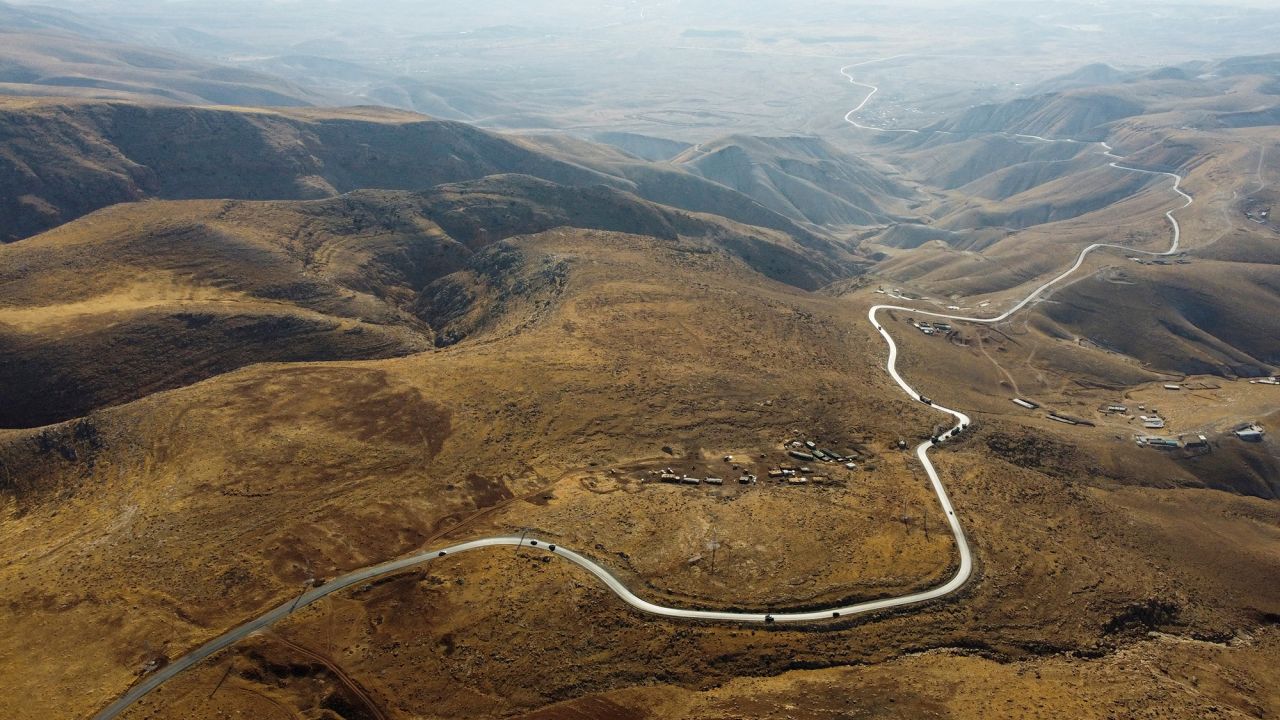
<point>1151,419</point>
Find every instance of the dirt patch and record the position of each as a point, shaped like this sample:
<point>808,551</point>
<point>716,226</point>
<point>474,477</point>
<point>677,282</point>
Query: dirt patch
<point>363,404</point>
<point>1039,452</point>
<point>487,491</point>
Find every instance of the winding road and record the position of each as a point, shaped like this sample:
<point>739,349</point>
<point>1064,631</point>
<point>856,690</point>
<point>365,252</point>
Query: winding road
<point>963,570</point>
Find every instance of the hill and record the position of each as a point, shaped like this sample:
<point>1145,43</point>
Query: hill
<point>43,19</point>
<point>1194,319</point>
<point>950,163</point>
<point>84,63</point>
<point>1076,114</point>
<point>551,422</point>
<point>645,147</point>
<point>804,178</point>
<point>1088,76</point>
<point>63,159</point>
<point>397,333</point>
<point>145,297</point>
<point>674,184</point>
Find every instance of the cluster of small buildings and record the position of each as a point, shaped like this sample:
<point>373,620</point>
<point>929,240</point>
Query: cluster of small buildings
<point>796,475</point>
<point>1160,261</point>
<point>1199,442</point>
<point>928,328</point>
<point>1152,422</point>
<point>1055,416</point>
<point>669,476</point>
<point>1266,381</point>
<point>809,451</point>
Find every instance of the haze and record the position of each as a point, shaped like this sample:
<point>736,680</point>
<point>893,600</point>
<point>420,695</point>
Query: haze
<point>689,69</point>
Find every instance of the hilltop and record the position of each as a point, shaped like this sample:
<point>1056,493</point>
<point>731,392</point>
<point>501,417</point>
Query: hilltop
<point>67,158</point>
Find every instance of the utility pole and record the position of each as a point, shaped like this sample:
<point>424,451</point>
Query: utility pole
<point>311,576</point>
<point>224,677</point>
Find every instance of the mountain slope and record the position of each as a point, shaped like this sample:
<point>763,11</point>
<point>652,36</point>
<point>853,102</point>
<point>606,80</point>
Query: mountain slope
<point>75,65</point>
<point>949,163</point>
<point>60,160</point>
<point>148,296</point>
<point>804,178</point>
<point>1079,114</point>
<point>1202,318</point>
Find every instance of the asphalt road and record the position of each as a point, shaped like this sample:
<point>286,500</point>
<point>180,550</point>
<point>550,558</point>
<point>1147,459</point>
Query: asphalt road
<point>963,571</point>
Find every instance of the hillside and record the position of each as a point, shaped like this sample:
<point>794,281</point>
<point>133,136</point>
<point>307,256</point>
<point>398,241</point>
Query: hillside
<point>592,336</point>
<point>643,146</point>
<point>245,351</point>
<point>1092,75</point>
<point>63,159</point>
<point>43,19</point>
<point>1076,114</point>
<point>1195,319</point>
<point>950,163</point>
<point>1029,195</point>
<point>607,348</point>
<point>806,179</point>
<point>149,296</point>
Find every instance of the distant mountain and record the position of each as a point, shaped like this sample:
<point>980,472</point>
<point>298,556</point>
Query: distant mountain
<point>359,83</point>
<point>83,65</point>
<point>1077,114</point>
<point>1268,65</point>
<point>35,18</point>
<point>1087,76</point>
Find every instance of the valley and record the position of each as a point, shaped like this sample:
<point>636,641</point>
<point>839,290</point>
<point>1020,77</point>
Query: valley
<point>350,412</point>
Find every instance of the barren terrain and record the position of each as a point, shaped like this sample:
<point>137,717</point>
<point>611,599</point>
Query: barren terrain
<point>246,350</point>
